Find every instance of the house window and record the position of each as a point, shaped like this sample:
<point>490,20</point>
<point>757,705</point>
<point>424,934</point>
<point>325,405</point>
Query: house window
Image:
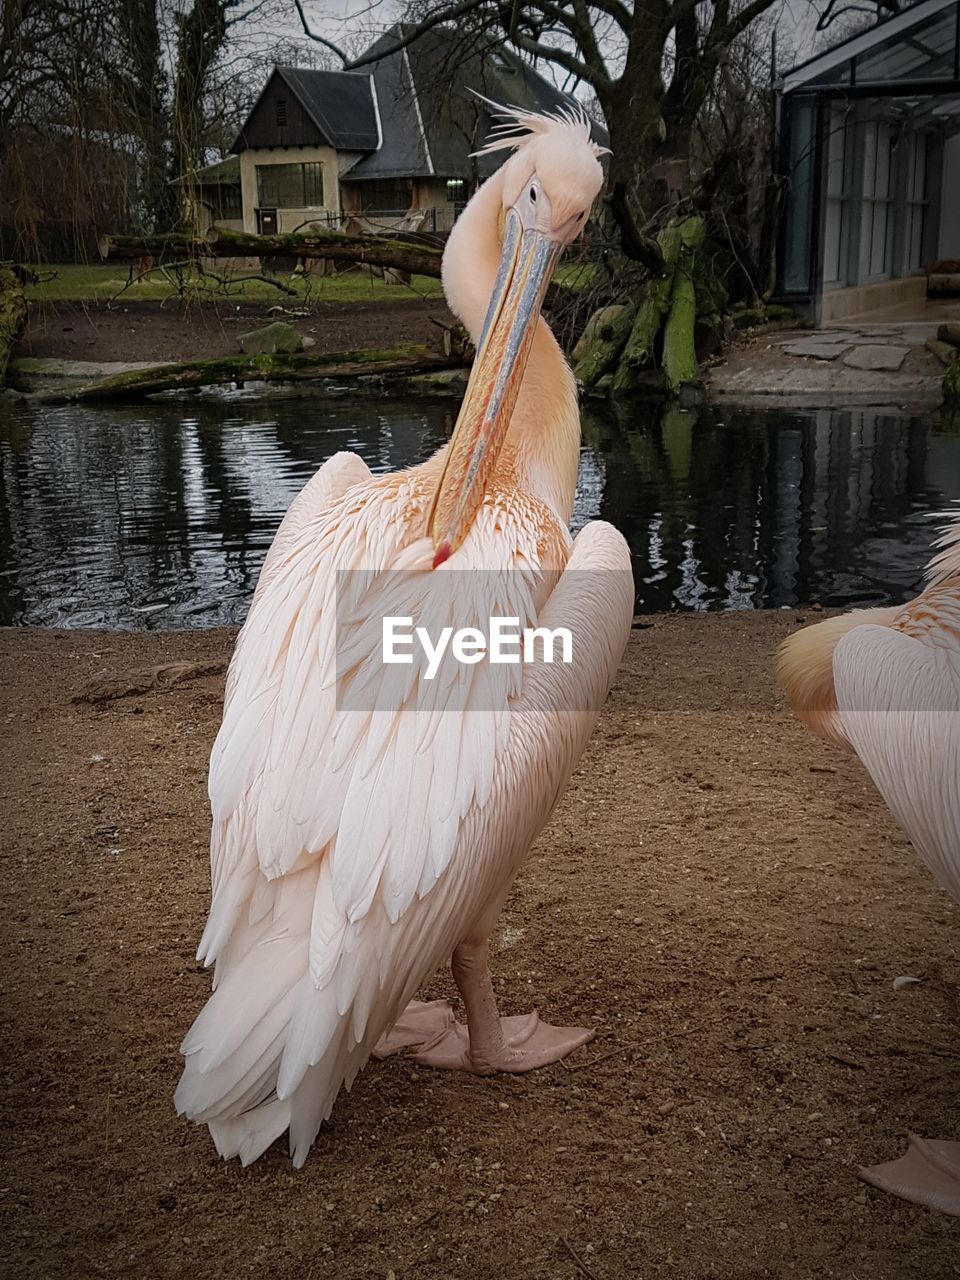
<point>916,201</point>
<point>281,113</point>
<point>837,222</point>
<point>877,199</point>
<point>290,186</point>
<point>386,195</point>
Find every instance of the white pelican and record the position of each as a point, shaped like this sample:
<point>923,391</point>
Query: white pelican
<point>886,682</point>
<point>366,826</point>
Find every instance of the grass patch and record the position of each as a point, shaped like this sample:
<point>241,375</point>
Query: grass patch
<point>101,282</point>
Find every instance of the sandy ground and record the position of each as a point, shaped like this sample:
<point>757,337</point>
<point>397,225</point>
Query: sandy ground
<point>151,331</point>
<point>721,895</point>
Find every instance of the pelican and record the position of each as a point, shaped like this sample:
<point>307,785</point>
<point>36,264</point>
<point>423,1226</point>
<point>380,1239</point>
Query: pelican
<point>886,682</point>
<point>367,823</point>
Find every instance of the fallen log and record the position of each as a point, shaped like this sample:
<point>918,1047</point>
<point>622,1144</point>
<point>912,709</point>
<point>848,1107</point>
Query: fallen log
<point>406,252</point>
<point>136,383</point>
<point>601,342</point>
<point>638,350</point>
<point>159,248</point>
<point>148,680</point>
<point>947,283</point>
<point>13,317</point>
<point>334,246</point>
<point>945,352</point>
<point>375,251</point>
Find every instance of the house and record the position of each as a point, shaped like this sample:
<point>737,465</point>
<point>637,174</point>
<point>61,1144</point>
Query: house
<point>870,149</point>
<point>385,145</point>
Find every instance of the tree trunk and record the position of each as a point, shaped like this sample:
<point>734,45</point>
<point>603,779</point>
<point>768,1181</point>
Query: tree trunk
<point>143,91</point>
<point>137,383</point>
<point>13,318</point>
<point>201,33</point>
<point>679,348</point>
<point>632,107</point>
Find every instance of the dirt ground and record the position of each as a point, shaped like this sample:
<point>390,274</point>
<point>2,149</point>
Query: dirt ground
<point>724,897</point>
<point>155,331</point>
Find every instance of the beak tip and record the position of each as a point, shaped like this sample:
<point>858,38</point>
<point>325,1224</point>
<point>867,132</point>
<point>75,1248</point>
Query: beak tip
<point>443,553</point>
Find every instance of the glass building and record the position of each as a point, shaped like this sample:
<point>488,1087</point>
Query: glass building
<point>870,148</point>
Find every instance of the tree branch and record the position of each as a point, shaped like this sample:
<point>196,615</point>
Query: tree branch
<point>741,20</point>
<point>312,35</point>
<point>635,244</point>
<point>562,58</point>
<point>435,19</point>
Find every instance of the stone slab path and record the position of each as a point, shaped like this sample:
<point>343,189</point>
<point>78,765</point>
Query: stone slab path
<point>867,363</point>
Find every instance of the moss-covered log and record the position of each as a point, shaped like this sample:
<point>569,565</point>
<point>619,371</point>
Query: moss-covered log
<point>639,347</point>
<point>172,246</point>
<point>137,383</point>
<point>13,317</point>
<point>679,350</point>
<point>601,342</point>
<point>335,246</point>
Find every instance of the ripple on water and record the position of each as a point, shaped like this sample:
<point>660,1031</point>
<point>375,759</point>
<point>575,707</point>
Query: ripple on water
<point>158,516</point>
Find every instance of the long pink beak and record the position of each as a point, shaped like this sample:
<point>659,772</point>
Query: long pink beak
<point>527,262</point>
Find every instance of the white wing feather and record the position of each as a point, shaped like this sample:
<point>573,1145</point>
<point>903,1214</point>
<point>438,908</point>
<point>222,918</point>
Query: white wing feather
<point>353,847</point>
<point>899,702</point>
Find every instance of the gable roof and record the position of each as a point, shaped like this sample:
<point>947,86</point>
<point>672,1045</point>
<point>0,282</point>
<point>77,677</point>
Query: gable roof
<point>404,150</point>
<point>431,119</point>
<point>340,104</point>
<point>411,113</point>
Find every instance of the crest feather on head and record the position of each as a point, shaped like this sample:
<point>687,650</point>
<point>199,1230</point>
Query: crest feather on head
<point>515,126</point>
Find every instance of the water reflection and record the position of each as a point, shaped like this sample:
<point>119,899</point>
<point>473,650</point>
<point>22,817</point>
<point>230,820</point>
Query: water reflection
<point>159,516</point>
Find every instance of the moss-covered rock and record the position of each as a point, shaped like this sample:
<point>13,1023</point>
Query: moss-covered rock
<point>276,339</point>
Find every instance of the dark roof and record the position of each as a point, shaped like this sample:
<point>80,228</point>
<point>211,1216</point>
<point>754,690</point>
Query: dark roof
<point>403,152</point>
<point>339,104</point>
<point>430,118</point>
<point>412,111</point>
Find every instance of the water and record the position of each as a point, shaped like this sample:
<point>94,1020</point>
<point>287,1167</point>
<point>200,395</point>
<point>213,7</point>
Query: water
<point>158,516</point>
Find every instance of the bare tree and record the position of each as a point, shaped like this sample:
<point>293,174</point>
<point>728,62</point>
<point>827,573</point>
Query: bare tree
<point>651,66</point>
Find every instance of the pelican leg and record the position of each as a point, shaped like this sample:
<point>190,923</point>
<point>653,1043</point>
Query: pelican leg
<point>488,1043</point>
<point>928,1173</point>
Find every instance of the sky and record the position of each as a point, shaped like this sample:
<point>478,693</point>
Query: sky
<point>337,20</point>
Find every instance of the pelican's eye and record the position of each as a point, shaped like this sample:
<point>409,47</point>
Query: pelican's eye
<point>533,194</point>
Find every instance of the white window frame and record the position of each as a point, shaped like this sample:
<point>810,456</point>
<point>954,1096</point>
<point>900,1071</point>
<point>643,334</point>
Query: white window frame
<point>877,199</point>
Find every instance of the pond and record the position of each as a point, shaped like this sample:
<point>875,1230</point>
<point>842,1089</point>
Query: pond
<point>158,516</point>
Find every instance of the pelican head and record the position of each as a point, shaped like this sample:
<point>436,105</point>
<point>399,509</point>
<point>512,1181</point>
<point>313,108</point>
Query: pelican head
<point>548,186</point>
